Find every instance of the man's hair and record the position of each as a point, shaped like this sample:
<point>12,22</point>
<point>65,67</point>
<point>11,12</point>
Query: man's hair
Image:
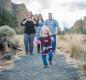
<point>49,13</point>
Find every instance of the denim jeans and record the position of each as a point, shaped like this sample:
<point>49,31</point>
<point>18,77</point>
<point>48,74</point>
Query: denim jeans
<point>44,58</point>
<point>28,42</point>
<point>54,42</point>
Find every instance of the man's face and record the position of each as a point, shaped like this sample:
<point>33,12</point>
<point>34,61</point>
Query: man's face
<point>50,15</point>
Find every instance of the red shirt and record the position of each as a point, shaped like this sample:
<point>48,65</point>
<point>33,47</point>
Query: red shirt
<point>46,44</point>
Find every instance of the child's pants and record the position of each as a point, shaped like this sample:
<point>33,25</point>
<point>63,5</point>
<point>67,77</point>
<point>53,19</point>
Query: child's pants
<point>50,54</point>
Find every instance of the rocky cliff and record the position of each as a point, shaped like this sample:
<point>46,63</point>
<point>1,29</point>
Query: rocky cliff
<point>6,4</point>
<point>18,9</point>
<point>79,25</point>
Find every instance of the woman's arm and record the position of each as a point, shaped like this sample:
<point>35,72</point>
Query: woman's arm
<point>23,22</point>
<point>33,21</point>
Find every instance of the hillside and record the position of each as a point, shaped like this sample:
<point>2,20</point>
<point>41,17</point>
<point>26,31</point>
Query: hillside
<point>19,10</point>
<point>79,26</point>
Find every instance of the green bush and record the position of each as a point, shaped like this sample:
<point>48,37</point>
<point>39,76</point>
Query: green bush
<point>6,18</point>
<point>19,30</point>
<point>6,32</point>
<point>83,31</point>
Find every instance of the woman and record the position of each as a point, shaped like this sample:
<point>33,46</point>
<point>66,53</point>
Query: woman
<point>39,24</point>
<point>29,32</point>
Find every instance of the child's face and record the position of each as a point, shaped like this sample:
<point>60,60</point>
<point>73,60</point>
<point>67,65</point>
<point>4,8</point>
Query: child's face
<point>45,31</point>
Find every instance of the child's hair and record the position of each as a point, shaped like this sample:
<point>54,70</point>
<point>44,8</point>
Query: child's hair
<point>44,28</point>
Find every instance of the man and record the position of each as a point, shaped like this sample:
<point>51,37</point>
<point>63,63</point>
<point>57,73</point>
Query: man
<point>54,27</point>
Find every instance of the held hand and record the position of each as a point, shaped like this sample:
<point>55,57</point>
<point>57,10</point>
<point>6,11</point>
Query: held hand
<point>34,43</point>
<point>56,33</point>
<point>52,39</point>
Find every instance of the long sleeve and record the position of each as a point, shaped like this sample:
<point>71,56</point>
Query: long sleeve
<point>22,22</point>
<point>56,25</point>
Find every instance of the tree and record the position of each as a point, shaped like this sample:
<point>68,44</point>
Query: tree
<point>6,18</point>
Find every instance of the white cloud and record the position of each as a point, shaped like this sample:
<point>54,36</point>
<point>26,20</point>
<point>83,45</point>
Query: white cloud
<point>65,11</point>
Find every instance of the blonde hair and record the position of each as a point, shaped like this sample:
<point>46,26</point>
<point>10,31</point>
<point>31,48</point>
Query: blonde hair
<point>44,28</point>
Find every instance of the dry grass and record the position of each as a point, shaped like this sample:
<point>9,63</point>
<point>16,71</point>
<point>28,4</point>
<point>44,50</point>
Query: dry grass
<point>18,40</point>
<point>6,63</point>
<point>72,44</point>
<point>63,38</point>
<point>83,66</point>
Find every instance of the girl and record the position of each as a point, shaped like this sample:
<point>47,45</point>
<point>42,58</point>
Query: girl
<point>39,24</point>
<point>46,42</point>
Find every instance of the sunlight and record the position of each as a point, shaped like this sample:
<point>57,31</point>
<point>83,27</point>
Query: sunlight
<point>63,10</point>
<point>34,6</point>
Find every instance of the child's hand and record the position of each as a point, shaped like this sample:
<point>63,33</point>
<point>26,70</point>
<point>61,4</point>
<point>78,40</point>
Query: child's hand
<point>35,42</point>
<point>52,39</point>
<point>38,42</point>
<point>56,33</point>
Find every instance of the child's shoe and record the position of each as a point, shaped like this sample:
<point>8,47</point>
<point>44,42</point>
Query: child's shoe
<point>45,66</point>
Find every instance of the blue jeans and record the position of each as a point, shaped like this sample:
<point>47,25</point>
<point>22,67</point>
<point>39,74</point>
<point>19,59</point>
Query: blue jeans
<point>54,42</point>
<point>28,42</point>
<point>49,58</point>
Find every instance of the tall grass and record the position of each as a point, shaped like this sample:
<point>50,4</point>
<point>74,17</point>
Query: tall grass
<point>75,46</point>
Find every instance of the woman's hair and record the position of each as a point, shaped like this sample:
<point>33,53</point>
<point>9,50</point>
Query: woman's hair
<point>30,12</point>
<point>44,28</point>
<point>41,17</point>
<point>35,17</point>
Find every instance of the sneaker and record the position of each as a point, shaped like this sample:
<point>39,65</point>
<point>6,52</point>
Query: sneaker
<point>26,53</point>
<point>45,66</point>
<point>31,54</point>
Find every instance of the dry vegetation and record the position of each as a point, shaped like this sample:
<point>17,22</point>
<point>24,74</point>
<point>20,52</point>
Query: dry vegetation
<point>74,45</point>
<point>17,40</point>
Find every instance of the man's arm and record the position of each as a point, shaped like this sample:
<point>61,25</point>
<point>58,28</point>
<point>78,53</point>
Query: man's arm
<point>56,27</point>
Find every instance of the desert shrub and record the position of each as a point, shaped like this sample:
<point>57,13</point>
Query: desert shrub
<point>6,32</point>
<point>83,66</point>
<point>74,50</point>
<point>83,31</point>
<point>19,30</point>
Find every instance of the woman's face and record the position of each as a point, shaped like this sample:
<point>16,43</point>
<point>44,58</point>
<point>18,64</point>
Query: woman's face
<point>40,16</point>
<point>29,15</point>
<point>35,17</point>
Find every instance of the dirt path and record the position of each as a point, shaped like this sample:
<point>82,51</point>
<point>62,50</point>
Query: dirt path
<point>30,67</point>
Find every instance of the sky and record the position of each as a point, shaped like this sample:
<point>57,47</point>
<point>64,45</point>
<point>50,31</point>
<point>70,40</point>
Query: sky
<point>66,12</point>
